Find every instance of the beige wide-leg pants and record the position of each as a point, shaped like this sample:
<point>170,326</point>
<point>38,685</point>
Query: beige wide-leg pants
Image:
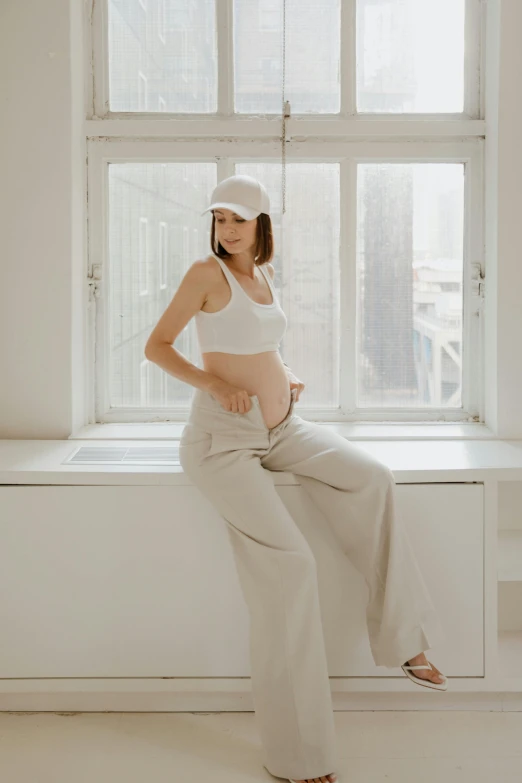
<point>229,456</point>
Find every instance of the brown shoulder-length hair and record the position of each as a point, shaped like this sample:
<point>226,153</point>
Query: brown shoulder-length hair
<point>264,247</point>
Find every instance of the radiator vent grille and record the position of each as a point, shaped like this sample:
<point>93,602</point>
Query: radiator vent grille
<point>124,455</point>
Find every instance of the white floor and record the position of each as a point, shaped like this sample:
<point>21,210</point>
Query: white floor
<point>396,747</point>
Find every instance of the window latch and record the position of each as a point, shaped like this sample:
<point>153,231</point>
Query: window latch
<point>478,286</point>
<point>93,281</point>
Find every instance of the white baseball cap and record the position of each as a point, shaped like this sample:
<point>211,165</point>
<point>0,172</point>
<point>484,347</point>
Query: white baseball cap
<point>242,194</point>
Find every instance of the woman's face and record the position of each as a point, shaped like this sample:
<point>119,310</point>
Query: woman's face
<point>230,226</point>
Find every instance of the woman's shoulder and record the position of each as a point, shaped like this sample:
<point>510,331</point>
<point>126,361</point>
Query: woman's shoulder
<point>204,273</point>
<point>210,266</point>
<point>211,270</point>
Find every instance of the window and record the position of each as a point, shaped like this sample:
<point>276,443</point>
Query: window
<point>269,15</point>
<point>378,265</point>
<point>410,55</point>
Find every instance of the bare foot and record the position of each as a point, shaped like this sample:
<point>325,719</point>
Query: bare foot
<point>425,674</point>
<point>325,779</point>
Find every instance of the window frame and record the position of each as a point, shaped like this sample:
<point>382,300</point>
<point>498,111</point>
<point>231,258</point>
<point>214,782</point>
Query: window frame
<point>348,138</point>
<point>98,86</point>
<point>101,153</point>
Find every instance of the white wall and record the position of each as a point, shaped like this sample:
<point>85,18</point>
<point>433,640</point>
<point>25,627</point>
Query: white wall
<point>42,217</point>
<point>503,202</point>
<point>43,263</point>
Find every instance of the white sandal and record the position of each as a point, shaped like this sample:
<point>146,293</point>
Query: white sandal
<point>293,781</point>
<point>438,686</point>
<point>324,776</point>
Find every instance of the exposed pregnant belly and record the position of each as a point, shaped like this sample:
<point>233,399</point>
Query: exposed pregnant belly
<point>263,374</point>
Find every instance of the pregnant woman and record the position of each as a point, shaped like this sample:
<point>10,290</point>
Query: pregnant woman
<point>242,425</point>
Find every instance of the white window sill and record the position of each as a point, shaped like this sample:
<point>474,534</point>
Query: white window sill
<point>353,431</point>
<point>122,458</point>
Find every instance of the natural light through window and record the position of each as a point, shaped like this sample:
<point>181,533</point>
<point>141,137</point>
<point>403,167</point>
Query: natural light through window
<point>410,55</point>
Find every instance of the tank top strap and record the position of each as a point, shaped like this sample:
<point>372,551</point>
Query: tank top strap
<point>228,274</point>
<point>233,282</point>
<point>267,278</point>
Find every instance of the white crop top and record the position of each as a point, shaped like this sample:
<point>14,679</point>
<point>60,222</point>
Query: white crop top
<point>242,326</point>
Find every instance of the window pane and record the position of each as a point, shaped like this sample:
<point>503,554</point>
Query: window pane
<point>307,279</point>
<point>162,56</point>
<point>312,56</point>
<point>409,285</point>
<point>155,233</point>
<point>410,55</point>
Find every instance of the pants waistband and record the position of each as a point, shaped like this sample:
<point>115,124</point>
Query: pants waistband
<point>205,401</point>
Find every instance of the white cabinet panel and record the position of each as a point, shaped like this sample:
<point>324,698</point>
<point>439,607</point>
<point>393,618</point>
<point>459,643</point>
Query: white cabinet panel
<point>445,524</point>
<point>109,581</point>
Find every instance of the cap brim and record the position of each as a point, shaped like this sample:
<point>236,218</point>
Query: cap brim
<point>245,212</point>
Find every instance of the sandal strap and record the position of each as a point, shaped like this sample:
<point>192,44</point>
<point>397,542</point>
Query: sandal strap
<point>418,667</point>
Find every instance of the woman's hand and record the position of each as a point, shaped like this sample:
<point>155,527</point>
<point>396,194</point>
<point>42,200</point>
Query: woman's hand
<point>231,398</point>
<point>295,383</point>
